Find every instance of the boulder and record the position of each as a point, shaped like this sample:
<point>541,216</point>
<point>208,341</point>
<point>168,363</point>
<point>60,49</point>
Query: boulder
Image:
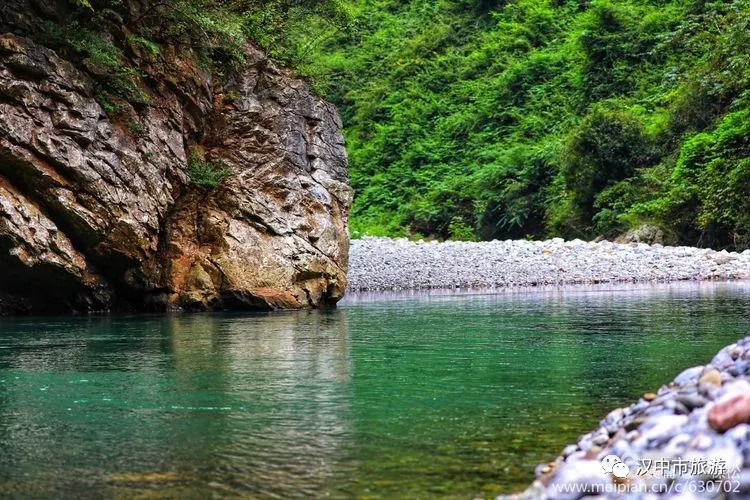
<point>645,233</point>
<point>98,210</point>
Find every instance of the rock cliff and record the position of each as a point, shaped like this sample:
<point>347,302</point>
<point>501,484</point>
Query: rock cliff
<point>97,207</point>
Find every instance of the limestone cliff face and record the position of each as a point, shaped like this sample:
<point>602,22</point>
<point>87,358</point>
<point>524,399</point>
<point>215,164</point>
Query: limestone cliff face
<point>97,209</point>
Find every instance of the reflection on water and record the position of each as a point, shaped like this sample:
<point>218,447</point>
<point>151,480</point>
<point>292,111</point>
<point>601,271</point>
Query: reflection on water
<point>256,403</point>
<point>434,394</point>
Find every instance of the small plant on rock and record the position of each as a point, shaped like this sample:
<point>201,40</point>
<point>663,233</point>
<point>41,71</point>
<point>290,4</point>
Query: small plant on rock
<point>137,129</point>
<point>206,173</point>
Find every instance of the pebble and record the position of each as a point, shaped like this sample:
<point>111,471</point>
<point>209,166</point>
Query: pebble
<point>634,424</point>
<point>731,410</point>
<point>689,375</point>
<point>710,376</point>
<point>691,400</point>
<point>735,352</point>
<point>704,414</point>
<point>377,263</point>
<point>585,472</point>
<point>600,439</point>
<point>702,442</point>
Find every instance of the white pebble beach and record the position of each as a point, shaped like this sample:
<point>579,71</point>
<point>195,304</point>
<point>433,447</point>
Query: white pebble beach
<point>377,263</point>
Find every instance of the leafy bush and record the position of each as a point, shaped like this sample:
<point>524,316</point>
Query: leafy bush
<point>460,230</point>
<point>512,205</point>
<point>710,195</point>
<point>608,146</point>
<point>206,173</point>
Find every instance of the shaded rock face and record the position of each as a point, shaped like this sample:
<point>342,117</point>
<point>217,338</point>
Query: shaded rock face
<point>97,212</point>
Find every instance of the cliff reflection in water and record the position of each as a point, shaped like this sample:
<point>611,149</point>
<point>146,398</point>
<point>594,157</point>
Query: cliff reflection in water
<point>251,403</point>
<point>410,395</point>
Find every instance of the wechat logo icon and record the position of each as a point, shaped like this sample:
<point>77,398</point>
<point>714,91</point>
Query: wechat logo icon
<point>613,465</point>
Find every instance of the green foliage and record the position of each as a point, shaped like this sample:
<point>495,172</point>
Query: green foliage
<point>206,173</point>
<point>709,196</point>
<point>487,118</point>
<point>512,205</point>
<point>137,129</point>
<point>213,32</point>
<point>545,118</point>
<point>216,31</point>
<point>151,48</point>
<point>460,230</point>
<point>608,146</point>
<point>106,105</point>
<point>101,57</point>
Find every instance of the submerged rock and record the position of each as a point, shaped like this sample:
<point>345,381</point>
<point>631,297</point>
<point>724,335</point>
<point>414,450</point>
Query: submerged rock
<point>97,207</point>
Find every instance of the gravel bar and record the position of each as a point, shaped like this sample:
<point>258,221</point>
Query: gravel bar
<point>399,264</point>
<point>690,439</point>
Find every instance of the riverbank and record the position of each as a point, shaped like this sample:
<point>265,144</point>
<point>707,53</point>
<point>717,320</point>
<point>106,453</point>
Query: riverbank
<point>691,437</point>
<point>400,264</point>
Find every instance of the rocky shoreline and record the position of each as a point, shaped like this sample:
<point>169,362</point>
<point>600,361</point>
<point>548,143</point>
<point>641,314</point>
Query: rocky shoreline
<point>690,439</point>
<point>399,264</point>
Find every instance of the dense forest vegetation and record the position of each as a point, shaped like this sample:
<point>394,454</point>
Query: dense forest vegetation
<point>507,119</point>
<point>511,118</point>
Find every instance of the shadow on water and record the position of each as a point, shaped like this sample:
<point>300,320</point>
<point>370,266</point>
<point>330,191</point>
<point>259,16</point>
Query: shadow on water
<point>407,395</point>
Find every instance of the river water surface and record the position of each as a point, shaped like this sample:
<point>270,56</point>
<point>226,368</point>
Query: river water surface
<point>420,395</point>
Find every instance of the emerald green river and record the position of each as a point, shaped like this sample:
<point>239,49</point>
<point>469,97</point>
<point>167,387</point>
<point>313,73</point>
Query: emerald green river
<point>413,395</point>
